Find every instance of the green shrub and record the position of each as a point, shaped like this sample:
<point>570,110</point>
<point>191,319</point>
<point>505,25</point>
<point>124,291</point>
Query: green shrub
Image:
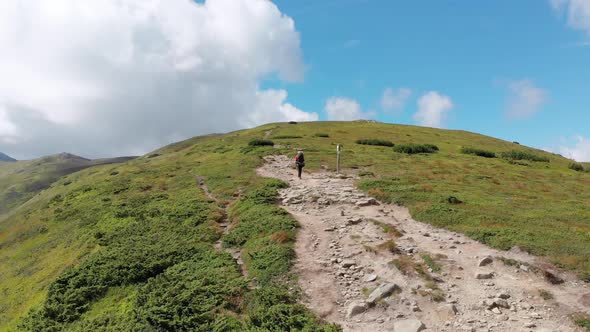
<point>416,148</point>
<point>187,296</point>
<point>582,320</point>
<point>576,167</point>
<point>323,135</point>
<point>523,155</point>
<point>377,142</point>
<point>261,142</point>
<point>478,152</point>
<point>286,136</point>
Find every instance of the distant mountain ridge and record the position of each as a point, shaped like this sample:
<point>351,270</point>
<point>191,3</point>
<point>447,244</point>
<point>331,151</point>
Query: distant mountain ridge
<point>21,180</point>
<point>5,157</point>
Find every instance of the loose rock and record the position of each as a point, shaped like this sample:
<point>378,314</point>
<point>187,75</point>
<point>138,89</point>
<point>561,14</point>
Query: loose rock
<point>408,325</point>
<point>381,292</point>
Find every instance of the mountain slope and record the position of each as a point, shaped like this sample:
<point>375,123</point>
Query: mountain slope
<point>19,181</point>
<point>4,157</point>
<point>110,250</point>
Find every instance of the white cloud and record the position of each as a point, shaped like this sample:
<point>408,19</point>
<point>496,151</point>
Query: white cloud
<point>344,109</point>
<point>433,108</point>
<point>579,150</point>
<point>271,100</point>
<point>395,100</point>
<point>112,77</point>
<point>525,99</point>
<point>577,13</point>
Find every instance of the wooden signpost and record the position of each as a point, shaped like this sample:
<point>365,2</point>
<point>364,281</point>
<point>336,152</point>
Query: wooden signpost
<point>338,150</point>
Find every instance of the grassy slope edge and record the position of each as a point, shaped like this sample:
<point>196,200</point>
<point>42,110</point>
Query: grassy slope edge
<point>21,180</point>
<point>132,245</point>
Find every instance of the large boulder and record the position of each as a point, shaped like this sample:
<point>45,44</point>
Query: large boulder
<point>381,292</point>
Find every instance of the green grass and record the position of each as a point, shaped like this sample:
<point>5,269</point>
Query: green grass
<point>130,247</point>
<point>111,243</point>
<point>582,320</point>
<point>546,295</point>
<point>431,263</point>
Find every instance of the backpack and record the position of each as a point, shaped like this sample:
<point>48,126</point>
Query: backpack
<point>300,159</point>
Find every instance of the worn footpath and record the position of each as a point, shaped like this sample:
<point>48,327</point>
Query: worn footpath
<point>370,267</point>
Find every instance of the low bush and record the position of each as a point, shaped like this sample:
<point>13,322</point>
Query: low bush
<point>261,142</point>
<point>323,135</point>
<point>478,152</point>
<point>576,167</point>
<point>582,320</point>
<point>416,148</point>
<point>377,142</point>
<point>523,155</point>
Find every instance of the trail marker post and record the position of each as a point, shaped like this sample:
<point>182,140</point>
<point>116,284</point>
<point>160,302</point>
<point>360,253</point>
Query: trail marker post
<point>338,151</point>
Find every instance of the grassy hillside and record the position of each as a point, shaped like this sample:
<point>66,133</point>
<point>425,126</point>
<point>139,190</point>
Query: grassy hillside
<point>131,246</point>
<point>19,181</point>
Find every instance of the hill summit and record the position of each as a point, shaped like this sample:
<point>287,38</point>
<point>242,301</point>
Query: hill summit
<point>5,157</point>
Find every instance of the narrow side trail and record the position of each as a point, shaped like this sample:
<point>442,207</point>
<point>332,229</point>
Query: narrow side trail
<point>224,224</point>
<point>345,253</point>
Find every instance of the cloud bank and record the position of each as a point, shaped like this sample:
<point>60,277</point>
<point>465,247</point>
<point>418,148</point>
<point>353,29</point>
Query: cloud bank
<point>433,109</point>
<point>344,109</point>
<point>577,13</point>
<point>525,99</point>
<point>579,150</point>
<point>395,100</point>
<point>112,77</point>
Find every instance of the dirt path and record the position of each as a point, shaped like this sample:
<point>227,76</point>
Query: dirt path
<point>345,260</point>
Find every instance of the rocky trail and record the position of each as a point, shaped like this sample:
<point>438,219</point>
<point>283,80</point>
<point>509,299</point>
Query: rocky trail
<point>370,267</point>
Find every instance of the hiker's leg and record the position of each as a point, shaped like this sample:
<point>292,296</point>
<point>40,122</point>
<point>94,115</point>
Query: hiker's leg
<point>299,169</point>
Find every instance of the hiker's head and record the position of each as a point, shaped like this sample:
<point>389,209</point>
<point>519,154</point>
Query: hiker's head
<point>299,152</point>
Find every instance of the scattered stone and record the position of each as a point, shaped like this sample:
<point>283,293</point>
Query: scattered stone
<point>502,295</point>
<point>502,304</point>
<point>356,308</point>
<point>354,221</point>
<point>524,268</point>
<point>381,292</point>
<point>482,276</point>
<point>366,202</point>
<point>348,263</point>
<point>530,325</point>
<point>552,277</point>
<point>371,277</point>
<point>496,311</point>
<point>408,325</point>
<point>486,261</point>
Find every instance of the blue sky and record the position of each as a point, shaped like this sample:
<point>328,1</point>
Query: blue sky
<point>125,77</point>
<point>475,52</point>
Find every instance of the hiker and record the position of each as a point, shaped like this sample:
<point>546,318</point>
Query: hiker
<point>299,162</point>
